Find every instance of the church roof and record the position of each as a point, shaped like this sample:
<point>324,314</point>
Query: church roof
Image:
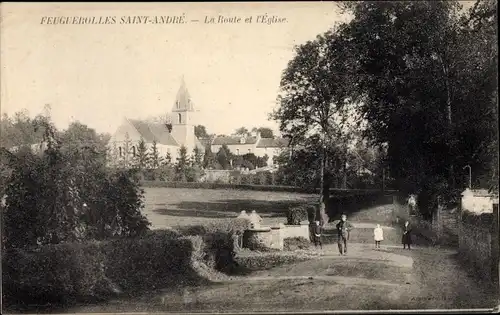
<point>154,132</point>
<point>272,143</point>
<point>183,100</point>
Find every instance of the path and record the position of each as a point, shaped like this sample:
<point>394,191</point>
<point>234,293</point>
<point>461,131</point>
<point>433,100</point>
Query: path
<point>365,279</point>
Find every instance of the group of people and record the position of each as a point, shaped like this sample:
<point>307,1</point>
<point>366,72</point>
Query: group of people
<point>343,231</point>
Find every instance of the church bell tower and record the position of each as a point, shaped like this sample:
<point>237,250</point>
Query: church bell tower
<point>183,118</point>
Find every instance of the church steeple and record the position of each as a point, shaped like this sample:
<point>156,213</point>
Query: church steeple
<point>183,102</point>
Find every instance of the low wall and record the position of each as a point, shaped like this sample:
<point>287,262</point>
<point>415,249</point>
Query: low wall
<point>265,237</point>
<point>223,176</point>
<point>475,248</point>
<point>291,231</point>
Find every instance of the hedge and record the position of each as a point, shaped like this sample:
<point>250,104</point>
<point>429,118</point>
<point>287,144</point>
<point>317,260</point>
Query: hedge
<point>64,273</point>
<point>484,220</point>
<point>249,264</point>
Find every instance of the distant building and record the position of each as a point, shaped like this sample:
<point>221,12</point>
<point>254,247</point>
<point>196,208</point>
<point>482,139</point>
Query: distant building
<point>131,131</point>
<point>36,148</point>
<point>241,145</point>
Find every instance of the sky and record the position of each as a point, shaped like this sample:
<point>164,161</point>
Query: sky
<point>100,73</point>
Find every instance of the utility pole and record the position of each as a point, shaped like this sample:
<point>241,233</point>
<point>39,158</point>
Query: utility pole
<point>383,179</point>
<point>470,175</point>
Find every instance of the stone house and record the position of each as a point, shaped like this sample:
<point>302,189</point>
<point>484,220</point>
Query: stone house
<point>241,145</point>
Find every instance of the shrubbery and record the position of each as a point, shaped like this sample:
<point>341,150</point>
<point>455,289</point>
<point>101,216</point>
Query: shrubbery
<point>268,261</point>
<point>62,273</point>
<point>219,239</point>
<point>296,215</point>
<point>294,243</point>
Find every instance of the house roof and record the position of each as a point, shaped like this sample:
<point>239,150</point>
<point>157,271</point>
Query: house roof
<point>154,132</point>
<point>233,140</point>
<point>272,143</point>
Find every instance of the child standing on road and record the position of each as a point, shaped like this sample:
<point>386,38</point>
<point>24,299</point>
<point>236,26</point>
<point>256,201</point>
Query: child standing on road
<point>378,235</point>
<point>317,235</point>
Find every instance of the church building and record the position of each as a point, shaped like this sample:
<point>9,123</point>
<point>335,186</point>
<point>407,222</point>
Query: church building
<point>168,140</point>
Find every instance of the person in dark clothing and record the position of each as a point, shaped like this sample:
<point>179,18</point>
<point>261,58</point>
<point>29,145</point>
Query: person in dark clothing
<point>343,228</point>
<point>317,235</point>
<point>406,239</point>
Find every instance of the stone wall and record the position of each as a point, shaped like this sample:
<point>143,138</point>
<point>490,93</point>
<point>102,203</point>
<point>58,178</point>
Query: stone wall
<point>272,237</point>
<point>291,231</point>
<point>479,243</point>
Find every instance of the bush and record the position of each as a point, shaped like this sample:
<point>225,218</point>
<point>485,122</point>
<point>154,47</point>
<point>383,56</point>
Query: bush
<point>294,243</point>
<point>52,273</point>
<point>68,272</point>
<point>296,214</point>
<point>262,178</point>
<point>193,174</point>
<point>270,179</point>
<point>223,225</point>
<point>268,261</point>
<point>58,196</point>
<point>219,239</point>
<point>150,262</point>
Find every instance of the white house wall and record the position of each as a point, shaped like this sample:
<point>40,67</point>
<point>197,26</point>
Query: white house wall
<point>270,152</point>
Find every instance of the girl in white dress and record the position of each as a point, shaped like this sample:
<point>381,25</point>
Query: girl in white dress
<point>378,235</point>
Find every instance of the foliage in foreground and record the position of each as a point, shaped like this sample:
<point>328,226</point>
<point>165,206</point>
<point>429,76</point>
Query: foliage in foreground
<point>66,194</point>
<point>64,273</point>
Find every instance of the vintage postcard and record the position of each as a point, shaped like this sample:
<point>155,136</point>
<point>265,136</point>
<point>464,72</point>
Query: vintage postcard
<point>241,157</point>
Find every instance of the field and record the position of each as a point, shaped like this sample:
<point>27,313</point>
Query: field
<point>168,207</point>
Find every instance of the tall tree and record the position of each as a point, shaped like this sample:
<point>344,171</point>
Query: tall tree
<point>197,158</point>
<point>223,157</point>
<point>200,131</point>
<point>242,131</point>
<point>155,158</point>
<point>209,158</point>
<point>314,100</point>
<point>142,157</point>
<point>265,132</point>
<point>425,96</point>
<point>182,164</point>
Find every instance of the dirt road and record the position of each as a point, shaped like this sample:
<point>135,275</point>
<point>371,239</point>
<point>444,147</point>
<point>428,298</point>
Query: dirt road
<point>365,279</point>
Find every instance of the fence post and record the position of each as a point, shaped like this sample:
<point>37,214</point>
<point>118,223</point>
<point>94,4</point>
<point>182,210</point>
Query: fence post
<point>495,249</point>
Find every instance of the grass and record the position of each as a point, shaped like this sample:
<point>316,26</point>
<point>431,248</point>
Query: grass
<point>168,207</point>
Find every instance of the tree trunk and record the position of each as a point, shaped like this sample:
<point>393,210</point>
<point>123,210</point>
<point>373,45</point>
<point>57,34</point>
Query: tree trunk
<point>344,179</point>
<point>449,120</point>
<point>324,194</point>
